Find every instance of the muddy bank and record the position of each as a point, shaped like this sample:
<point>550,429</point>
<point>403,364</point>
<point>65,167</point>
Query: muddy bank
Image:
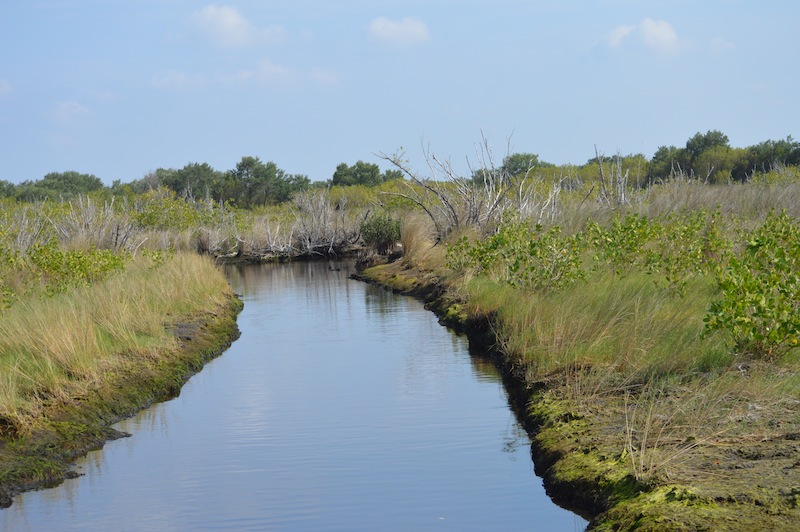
<point>580,448</point>
<point>69,430</point>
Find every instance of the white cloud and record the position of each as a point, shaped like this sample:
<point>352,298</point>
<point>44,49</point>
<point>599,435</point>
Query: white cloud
<point>226,26</point>
<point>617,35</point>
<point>176,80</point>
<point>658,35</point>
<point>67,112</point>
<point>406,32</point>
<point>266,73</point>
<point>5,87</point>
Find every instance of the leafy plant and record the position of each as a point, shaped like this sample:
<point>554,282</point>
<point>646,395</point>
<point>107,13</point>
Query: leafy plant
<point>60,270</point>
<point>381,231</point>
<point>523,256</point>
<point>624,244</point>
<point>760,303</point>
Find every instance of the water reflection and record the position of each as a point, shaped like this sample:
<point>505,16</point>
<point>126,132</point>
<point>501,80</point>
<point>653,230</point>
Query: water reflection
<point>341,407</point>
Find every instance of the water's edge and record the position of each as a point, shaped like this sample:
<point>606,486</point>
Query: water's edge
<point>581,498</point>
<point>44,459</point>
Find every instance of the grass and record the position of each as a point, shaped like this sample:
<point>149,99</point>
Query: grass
<point>628,323</point>
<point>635,399</point>
<point>55,350</point>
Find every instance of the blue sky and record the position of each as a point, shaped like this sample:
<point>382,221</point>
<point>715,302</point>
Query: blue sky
<point>118,88</point>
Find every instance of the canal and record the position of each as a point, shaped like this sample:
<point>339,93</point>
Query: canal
<point>341,407</point>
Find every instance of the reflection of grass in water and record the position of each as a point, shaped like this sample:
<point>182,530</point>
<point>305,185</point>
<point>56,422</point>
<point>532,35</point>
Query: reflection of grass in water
<point>55,350</point>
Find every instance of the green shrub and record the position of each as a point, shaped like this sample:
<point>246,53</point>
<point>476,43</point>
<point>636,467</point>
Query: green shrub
<point>760,304</point>
<point>381,231</point>
<point>60,270</point>
<point>522,256</point>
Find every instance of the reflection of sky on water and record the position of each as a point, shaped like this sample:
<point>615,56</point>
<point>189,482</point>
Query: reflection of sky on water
<point>342,406</point>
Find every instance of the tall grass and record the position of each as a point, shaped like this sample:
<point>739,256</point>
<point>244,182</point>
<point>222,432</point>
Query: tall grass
<point>628,323</point>
<point>56,349</point>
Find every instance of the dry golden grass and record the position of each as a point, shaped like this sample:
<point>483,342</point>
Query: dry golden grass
<point>57,348</point>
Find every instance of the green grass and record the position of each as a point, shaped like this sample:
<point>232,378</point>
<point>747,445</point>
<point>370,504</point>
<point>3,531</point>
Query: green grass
<point>627,323</point>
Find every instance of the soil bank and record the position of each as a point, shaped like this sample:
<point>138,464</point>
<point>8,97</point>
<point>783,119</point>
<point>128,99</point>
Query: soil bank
<point>580,451</point>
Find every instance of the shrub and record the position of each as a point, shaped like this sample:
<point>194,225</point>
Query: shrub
<point>381,231</point>
<point>760,304</point>
<point>522,256</point>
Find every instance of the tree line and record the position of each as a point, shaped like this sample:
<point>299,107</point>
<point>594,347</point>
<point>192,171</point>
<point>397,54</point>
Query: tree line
<point>252,183</point>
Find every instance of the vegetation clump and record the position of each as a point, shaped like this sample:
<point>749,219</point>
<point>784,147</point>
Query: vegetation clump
<point>381,230</point>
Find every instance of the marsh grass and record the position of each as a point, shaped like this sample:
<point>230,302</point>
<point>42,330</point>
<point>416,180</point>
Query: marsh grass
<point>56,349</point>
<point>628,323</point>
<point>415,238</point>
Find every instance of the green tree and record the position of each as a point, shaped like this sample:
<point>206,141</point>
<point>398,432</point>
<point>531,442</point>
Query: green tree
<point>701,142</point>
<point>362,173</point>
<point>518,164</point>
<point>58,185</point>
<point>392,175</point>
<point>7,189</point>
<point>715,164</point>
<point>668,161</point>
<point>767,154</point>
<point>255,183</point>
<point>195,180</point>
<point>70,183</point>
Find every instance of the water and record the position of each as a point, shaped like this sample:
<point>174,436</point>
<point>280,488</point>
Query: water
<point>341,407</point>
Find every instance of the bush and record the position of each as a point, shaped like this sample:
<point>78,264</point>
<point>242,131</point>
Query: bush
<point>760,304</point>
<point>522,256</point>
<point>381,231</point>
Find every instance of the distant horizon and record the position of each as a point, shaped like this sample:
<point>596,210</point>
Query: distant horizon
<point>384,165</point>
<point>129,88</point>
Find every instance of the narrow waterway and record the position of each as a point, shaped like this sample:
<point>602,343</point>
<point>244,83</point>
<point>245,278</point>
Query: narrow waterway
<point>341,407</point>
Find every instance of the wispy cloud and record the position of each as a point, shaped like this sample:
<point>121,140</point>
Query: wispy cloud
<point>324,76</point>
<point>5,87</point>
<point>720,45</point>
<point>618,34</point>
<point>67,112</point>
<point>230,29</point>
<point>266,73</point>
<point>405,32</point>
<point>658,35</point>
<point>176,80</point>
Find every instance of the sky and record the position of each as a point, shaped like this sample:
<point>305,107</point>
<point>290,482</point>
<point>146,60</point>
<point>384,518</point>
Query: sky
<point>120,88</point>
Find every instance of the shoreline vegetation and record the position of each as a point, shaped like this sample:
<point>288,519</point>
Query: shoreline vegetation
<point>649,308</point>
<point>661,396</point>
<point>77,362</point>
